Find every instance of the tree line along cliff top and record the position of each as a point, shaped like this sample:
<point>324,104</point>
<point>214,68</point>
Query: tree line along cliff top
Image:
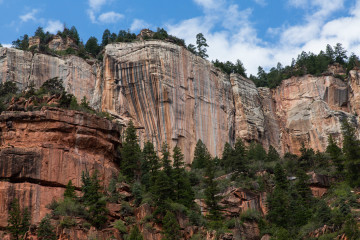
<point>67,42</point>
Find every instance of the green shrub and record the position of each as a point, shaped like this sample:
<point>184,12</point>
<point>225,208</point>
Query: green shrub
<point>119,225</point>
<point>67,222</point>
<point>45,230</point>
<point>126,209</point>
<point>69,207</point>
<point>250,215</point>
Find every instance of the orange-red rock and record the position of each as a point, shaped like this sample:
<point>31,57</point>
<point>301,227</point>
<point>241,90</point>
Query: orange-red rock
<point>41,151</point>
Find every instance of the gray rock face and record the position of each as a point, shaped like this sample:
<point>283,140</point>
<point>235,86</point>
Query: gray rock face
<point>23,67</point>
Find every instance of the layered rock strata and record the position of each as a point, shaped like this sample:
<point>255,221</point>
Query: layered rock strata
<point>23,67</point>
<point>176,97</point>
<point>41,151</point>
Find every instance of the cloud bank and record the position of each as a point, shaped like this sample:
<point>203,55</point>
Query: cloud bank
<point>238,38</point>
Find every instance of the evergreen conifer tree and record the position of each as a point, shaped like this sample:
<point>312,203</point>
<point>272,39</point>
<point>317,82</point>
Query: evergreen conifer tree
<point>45,230</point>
<point>70,191</point>
<point>201,45</point>
<point>240,156</point>
<point>182,186</point>
<point>211,191</point>
<point>200,155</point>
<point>272,155</point>
<point>131,154</point>
<point>94,199</point>
<point>150,165</point>
<point>227,156</point>
<point>18,221</point>
<point>335,154</point>
<point>135,234</point>
<point>165,160</point>
<point>171,227</point>
<point>351,150</point>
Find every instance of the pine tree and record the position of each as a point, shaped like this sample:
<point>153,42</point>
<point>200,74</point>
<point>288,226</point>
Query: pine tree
<point>18,221</point>
<point>227,156</point>
<point>240,156</point>
<point>211,191</point>
<point>70,191</point>
<point>335,154</point>
<point>165,160</point>
<point>92,46</point>
<point>45,230</point>
<point>149,165</point>
<point>135,234</point>
<point>94,199</point>
<point>201,45</point>
<point>351,150</point>
<point>200,155</point>
<point>162,192</point>
<point>306,160</point>
<point>340,53</point>
<point>106,38</point>
<point>272,155</point>
<point>182,186</point>
<point>171,227</point>
<point>131,154</point>
<point>279,200</point>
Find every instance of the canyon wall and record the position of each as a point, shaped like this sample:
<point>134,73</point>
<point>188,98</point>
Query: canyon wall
<point>41,151</point>
<point>172,94</point>
<point>176,97</point>
<point>79,77</point>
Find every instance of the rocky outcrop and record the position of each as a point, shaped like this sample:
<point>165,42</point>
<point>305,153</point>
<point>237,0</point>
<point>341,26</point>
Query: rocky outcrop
<point>41,151</point>
<point>79,77</point>
<point>176,97</point>
<point>237,201</point>
<point>309,109</point>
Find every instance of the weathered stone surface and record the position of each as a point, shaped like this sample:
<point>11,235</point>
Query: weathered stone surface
<point>24,67</point>
<point>177,97</point>
<point>41,151</point>
<point>308,110</point>
<point>249,117</point>
<point>237,200</point>
<point>174,95</point>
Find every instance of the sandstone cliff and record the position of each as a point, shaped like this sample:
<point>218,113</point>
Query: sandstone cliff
<point>23,67</point>
<point>177,97</point>
<point>41,151</point>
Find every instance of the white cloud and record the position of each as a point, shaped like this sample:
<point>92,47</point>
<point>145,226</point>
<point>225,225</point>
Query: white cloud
<point>54,26</point>
<point>6,45</point>
<point>262,3</point>
<point>96,4</point>
<point>138,24</point>
<point>107,17</point>
<point>238,38</point>
<point>29,16</point>
<point>210,4</point>
<point>110,17</point>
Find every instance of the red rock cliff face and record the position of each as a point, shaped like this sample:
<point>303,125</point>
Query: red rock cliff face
<point>174,95</point>
<point>41,151</point>
<point>308,109</point>
<point>177,97</point>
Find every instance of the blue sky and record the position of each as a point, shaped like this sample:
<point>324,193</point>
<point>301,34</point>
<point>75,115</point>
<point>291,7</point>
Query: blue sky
<point>258,32</point>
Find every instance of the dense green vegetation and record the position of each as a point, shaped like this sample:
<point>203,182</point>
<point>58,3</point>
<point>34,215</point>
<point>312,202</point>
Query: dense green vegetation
<point>171,189</point>
<point>307,63</point>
